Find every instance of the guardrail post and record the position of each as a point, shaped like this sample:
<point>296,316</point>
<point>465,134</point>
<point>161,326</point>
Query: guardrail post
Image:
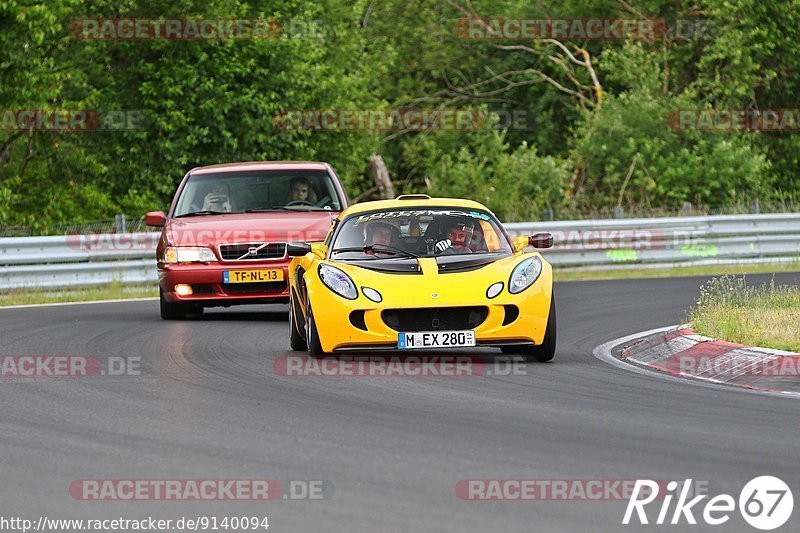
<point>619,212</point>
<point>119,224</point>
<point>548,215</point>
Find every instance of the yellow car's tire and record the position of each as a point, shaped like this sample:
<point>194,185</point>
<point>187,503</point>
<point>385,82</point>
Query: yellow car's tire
<point>547,350</point>
<point>296,340</point>
<point>312,337</point>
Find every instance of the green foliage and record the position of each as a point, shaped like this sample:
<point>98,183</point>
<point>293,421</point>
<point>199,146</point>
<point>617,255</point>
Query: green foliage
<point>516,185</point>
<point>208,102</point>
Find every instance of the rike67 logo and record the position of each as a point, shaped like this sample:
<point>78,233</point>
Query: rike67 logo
<point>765,503</point>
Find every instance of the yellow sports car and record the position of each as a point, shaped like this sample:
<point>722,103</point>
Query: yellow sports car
<point>421,273</point>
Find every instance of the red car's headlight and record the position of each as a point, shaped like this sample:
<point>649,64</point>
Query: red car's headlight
<point>188,254</point>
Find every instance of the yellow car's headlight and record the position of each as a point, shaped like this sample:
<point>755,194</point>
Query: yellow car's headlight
<point>189,254</point>
<point>338,281</point>
<point>524,274</point>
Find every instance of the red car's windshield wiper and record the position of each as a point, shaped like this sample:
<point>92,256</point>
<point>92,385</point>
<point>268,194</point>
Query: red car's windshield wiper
<point>267,209</point>
<point>201,213</point>
<point>280,208</point>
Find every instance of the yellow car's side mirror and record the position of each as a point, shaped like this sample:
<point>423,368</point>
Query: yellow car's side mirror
<point>519,243</point>
<point>320,249</point>
<point>539,240</point>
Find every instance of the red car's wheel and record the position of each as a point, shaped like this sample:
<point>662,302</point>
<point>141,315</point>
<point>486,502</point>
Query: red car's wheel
<point>171,311</point>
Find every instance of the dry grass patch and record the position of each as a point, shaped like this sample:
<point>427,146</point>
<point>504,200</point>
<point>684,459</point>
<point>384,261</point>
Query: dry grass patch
<point>112,291</point>
<point>765,315</point>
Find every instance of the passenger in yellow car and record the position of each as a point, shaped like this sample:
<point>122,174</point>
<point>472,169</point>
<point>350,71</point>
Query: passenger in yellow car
<point>458,237</point>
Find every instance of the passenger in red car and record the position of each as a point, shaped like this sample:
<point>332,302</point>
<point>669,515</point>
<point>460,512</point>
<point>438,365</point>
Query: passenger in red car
<point>219,199</point>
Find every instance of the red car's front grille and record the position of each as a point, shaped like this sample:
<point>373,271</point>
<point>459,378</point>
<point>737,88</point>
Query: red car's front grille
<point>252,251</point>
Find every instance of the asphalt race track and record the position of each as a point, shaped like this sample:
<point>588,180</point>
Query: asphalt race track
<point>208,405</point>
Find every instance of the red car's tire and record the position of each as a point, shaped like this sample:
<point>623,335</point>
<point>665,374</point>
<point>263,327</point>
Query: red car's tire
<point>171,311</point>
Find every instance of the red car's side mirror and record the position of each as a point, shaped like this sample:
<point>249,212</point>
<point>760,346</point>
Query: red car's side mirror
<point>155,219</point>
<point>541,240</point>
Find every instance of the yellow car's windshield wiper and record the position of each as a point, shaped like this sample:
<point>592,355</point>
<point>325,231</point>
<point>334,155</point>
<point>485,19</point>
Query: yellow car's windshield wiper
<point>379,248</point>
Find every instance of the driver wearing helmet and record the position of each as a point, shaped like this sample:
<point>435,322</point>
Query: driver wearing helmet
<point>458,237</point>
<point>380,233</point>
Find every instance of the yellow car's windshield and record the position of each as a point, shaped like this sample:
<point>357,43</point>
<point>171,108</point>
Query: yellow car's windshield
<point>419,233</point>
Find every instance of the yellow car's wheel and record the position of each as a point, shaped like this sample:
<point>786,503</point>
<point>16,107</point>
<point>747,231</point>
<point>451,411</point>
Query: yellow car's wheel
<point>296,340</point>
<point>543,352</point>
<point>547,350</point>
<point>312,337</point>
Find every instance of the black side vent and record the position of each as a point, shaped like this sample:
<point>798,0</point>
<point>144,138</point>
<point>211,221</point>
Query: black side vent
<point>512,313</point>
<point>357,319</point>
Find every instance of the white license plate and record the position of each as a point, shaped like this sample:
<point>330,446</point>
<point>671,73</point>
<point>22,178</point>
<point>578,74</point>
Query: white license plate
<point>436,339</point>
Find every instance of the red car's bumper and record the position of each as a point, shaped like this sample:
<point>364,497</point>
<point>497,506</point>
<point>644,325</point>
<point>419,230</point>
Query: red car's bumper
<point>209,289</point>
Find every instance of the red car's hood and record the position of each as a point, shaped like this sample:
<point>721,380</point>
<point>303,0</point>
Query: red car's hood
<point>283,226</point>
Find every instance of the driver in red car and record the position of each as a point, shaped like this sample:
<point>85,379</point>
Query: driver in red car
<point>298,190</point>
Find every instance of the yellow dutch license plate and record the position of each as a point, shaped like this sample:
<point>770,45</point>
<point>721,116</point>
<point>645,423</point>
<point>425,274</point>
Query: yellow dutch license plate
<point>252,276</point>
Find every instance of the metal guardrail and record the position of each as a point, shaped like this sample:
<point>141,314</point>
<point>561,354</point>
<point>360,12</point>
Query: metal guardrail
<point>664,242</point>
<point>98,259</point>
<point>77,260</point>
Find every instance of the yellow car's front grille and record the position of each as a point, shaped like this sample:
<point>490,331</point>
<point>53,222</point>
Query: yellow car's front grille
<point>435,318</point>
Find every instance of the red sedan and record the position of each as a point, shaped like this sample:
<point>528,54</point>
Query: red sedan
<point>224,239</point>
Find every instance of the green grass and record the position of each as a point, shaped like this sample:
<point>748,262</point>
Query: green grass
<point>705,270</point>
<point>113,291</point>
<point>766,315</point>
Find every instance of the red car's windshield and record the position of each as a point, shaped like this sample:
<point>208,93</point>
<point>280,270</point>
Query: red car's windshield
<point>254,191</point>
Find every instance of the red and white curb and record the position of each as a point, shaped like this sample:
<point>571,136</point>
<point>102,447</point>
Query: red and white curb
<point>680,352</point>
